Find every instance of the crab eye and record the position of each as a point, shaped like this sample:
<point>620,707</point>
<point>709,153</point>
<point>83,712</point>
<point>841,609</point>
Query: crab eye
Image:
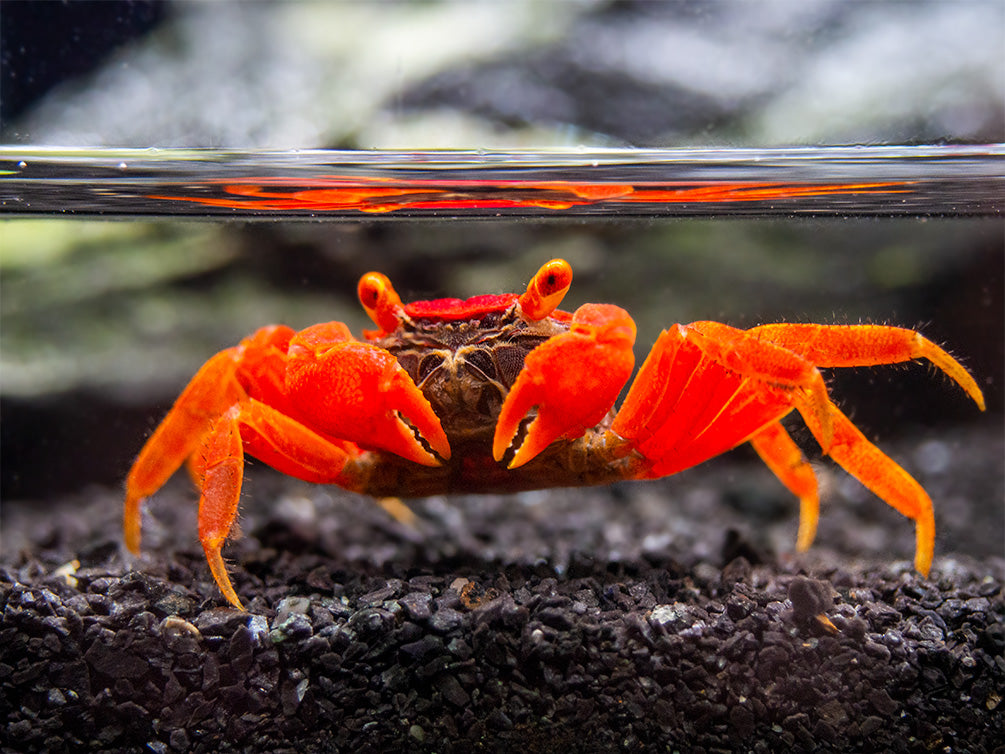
<point>554,277</point>
<point>370,288</point>
<point>380,301</point>
<point>546,290</point>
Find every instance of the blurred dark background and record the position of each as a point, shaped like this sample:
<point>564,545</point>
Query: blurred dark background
<point>45,44</point>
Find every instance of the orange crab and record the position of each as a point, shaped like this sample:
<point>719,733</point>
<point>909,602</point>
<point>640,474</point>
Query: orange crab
<point>507,392</point>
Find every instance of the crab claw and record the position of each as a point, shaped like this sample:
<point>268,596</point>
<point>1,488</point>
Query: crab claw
<point>359,392</point>
<point>572,378</point>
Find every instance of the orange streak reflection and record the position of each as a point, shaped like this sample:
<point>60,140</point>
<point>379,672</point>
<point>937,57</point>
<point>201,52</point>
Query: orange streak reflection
<point>338,194</point>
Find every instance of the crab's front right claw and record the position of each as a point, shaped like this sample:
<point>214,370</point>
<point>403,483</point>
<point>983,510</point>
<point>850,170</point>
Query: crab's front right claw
<point>573,379</point>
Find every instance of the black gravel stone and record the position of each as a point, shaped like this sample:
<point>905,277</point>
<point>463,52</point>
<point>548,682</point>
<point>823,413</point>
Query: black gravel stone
<point>809,597</point>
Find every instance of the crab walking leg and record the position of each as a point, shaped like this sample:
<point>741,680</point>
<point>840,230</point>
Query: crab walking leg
<point>213,389</point>
<point>786,460</point>
<point>869,345</point>
<point>345,389</point>
<point>887,480</point>
<point>706,387</point>
<point>866,345</point>
<point>227,378</point>
<point>279,441</point>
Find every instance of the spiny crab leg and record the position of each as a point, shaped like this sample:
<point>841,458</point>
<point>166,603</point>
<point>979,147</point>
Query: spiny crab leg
<point>877,471</point>
<point>866,345</point>
<point>707,387</point>
<point>787,462</point>
<point>211,391</point>
<point>274,438</point>
<point>356,392</point>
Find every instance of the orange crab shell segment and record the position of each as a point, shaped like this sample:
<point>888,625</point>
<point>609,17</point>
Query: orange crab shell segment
<point>448,309</point>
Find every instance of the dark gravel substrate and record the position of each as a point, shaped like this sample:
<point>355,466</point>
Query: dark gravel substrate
<point>627,618</point>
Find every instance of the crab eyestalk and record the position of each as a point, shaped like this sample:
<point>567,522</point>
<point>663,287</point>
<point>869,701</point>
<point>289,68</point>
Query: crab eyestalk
<point>546,290</point>
<point>380,300</point>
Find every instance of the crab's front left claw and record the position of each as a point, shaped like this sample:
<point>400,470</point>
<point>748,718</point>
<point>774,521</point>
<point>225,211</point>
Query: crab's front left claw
<point>358,392</point>
<point>572,378</point>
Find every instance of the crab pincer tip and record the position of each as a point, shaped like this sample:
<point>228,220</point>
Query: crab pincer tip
<point>437,439</point>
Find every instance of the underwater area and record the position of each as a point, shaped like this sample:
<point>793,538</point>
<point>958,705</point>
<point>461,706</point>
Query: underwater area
<point>674,614</point>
